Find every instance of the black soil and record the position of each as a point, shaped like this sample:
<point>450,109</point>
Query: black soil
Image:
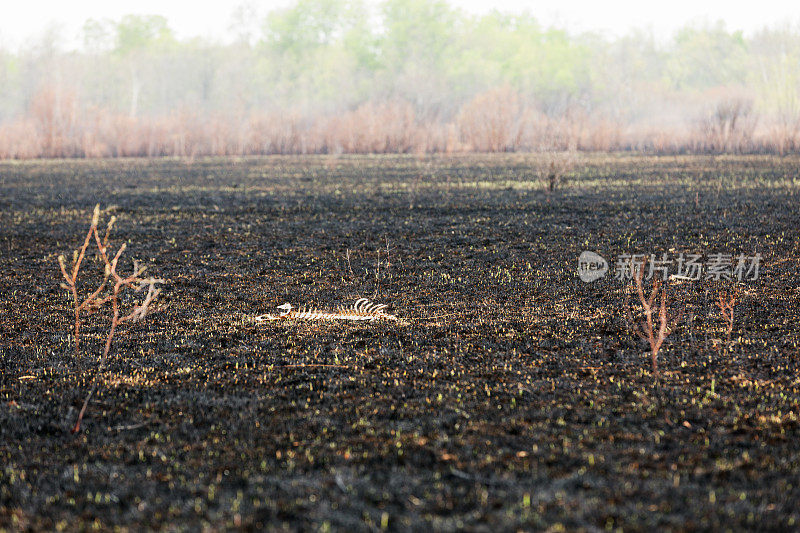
<point>511,396</point>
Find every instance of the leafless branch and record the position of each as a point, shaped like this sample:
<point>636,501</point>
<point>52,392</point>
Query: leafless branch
<point>726,304</point>
<point>97,298</point>
<point>644,327</point>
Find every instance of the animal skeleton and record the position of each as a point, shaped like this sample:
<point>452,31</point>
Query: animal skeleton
<point>362,309</point>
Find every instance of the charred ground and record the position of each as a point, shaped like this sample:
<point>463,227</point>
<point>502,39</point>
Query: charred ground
<point>513,396</point>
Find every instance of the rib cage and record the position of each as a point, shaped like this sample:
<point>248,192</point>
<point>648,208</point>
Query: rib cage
<point>362,309</point>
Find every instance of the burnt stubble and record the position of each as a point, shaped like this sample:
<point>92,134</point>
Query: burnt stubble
<point>511,395</point>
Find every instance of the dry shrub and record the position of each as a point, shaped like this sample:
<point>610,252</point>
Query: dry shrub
<point>652,139</point>
<point>562,133</point>
<point>20,140</point>
<point>728,127</point>
<point>552,167</point>
<point>557,140</point>
<point>93,143</point>
<point>493,121</point>
<point>276,133</point>
<point>224,136</point>
<point>782,135</point>
<point>187,134</point>
<point>440,137</point>
<point>601,135</point>
<point>54,112</point>
<point>376,128</point>
<point>108,291</point>
<point>107,134</point>
<point>644,326</point>
<point>498,120</point>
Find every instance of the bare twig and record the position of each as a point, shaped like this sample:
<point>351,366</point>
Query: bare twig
<point>726,304</point>
<point>377,274</point>
<point>90,302</point>
<point>349,266</point>
<point>96,299</point>
<point>388,262</point>
<point>644,328</point>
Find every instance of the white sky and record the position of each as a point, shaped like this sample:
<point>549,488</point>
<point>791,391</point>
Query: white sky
<point>24,20</point>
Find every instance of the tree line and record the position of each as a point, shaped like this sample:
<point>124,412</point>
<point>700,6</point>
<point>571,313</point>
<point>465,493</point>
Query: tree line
<point>333,76</point>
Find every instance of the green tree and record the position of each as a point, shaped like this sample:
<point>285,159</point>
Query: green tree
<point>136,38</point>
<point>307,25</point>
<point>417,30</point>
<point>415,49</point>
<point>318,55</point>
<point>707,56</point>
<point>775,75</point>
<point>135,33</point>
<point>546,64</point>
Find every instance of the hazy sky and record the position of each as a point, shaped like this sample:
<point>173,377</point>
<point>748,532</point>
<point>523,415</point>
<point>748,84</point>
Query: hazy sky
<point>23,20</point>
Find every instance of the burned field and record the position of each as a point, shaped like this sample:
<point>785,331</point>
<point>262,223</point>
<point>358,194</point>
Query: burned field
<point>510,395</point>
